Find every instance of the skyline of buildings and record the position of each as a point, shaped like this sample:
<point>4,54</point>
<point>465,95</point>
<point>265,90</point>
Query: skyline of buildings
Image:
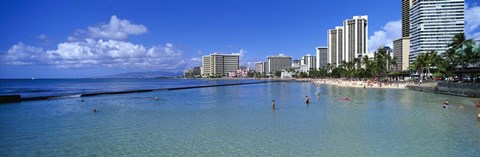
<point>426,26</point>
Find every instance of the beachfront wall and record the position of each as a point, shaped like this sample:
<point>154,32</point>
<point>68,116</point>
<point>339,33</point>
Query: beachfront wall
<point>462,89</point>
<point>451,88</point>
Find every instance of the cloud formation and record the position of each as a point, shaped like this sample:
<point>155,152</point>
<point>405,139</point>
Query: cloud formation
<point>21,54</point>
<point>117,29</point>
<point>472,22</point>
<point>386,35</point>
<point>100,46</point>
<point>93,53</point>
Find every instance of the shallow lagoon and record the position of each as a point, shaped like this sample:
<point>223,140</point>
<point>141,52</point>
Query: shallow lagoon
<point>238,121</point>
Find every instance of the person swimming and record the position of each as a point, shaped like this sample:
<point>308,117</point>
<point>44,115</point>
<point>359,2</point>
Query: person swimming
<point>94,109</point>
<point>273,104</point>
<point>307,100</point>
<point>445,104</point>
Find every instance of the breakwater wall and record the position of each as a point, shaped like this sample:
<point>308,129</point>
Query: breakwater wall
<point>450,88</point>
<point>18,98</point>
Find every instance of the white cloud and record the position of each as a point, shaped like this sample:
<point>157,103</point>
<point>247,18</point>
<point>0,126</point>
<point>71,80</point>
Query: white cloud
<point>386,35</point>
<point>101,46</point>
<point>113,53</point>
<point>242,54</point>
<point>42,37</point>
<point>21,54</point>
<point>117,29</point>
<point>472,21</point>
<point>94,53</point>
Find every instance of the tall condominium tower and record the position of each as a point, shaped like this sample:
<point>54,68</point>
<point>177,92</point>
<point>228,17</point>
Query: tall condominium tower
<point>277,63</point>
<point>349,41</point>
<point>401,47</point>
<point>322,57</point>
<point>433,24</point>
<point>219,64</point>
<point>406,5</point>
<point>355,32</point>
<point>335,46</point>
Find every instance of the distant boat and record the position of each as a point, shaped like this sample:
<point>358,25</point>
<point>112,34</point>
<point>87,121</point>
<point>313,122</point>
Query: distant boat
<point>33,78</point>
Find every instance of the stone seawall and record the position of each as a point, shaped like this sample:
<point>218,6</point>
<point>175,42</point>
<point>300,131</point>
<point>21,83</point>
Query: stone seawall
<point>450,88</point>
<point>462,89</point>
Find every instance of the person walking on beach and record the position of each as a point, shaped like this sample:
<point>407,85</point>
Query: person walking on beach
<point>273,104</point>
<point>307,100</point>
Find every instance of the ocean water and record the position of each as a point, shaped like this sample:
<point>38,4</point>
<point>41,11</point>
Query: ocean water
<point>239,121</point>
<point>64,87</point>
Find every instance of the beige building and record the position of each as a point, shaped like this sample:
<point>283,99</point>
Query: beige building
<point>401,50</point>
<point>219,64</point>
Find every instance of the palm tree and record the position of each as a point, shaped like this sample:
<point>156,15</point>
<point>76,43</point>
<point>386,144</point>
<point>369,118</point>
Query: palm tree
<point>381,61</point>
<point>365,61</point>
<point>476,55</point>
<point>419,64</point>
<point>457,40</point>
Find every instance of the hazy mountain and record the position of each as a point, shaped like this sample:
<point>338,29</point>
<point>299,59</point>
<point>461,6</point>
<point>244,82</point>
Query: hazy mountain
<point>146,74</point>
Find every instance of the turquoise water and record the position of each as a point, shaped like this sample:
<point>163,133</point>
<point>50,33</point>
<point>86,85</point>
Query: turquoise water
<point>238,121</point>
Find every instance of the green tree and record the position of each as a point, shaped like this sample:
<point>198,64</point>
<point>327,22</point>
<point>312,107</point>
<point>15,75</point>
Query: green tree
<point>419,64</point>
<point>278,73</point>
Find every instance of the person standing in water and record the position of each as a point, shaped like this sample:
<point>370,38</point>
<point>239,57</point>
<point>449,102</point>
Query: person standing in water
<point>445,104</point>
<point>273,104</point>
<point>307,100</point>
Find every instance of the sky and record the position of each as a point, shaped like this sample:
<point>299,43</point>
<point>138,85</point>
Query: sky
<point>93,38</point>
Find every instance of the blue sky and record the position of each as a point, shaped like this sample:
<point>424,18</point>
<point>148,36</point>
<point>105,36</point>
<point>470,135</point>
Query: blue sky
<point>80,38</point>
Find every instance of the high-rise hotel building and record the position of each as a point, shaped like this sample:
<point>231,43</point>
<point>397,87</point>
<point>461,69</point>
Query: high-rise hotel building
<point>433,24</point>
<point>277,63</point>
<point>401,47</point>
<point>335,46</point>
<point>349,41</point>
<point>322,57</point>
<point>219,64</point>
<point>355,36</point>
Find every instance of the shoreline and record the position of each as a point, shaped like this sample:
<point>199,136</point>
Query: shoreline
<point>360,84</point>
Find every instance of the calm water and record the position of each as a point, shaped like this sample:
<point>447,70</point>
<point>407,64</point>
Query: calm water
<point>63,87</point>
<point>238,121</point>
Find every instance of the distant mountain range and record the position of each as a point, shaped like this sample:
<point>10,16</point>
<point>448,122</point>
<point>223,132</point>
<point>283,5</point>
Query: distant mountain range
<point>146,74</point>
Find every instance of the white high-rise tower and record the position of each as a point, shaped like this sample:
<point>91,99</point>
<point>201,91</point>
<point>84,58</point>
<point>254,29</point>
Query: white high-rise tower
<point>433,24</point>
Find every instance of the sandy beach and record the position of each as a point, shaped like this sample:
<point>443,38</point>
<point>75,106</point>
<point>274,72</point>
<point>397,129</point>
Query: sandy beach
<point>361,84</point>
